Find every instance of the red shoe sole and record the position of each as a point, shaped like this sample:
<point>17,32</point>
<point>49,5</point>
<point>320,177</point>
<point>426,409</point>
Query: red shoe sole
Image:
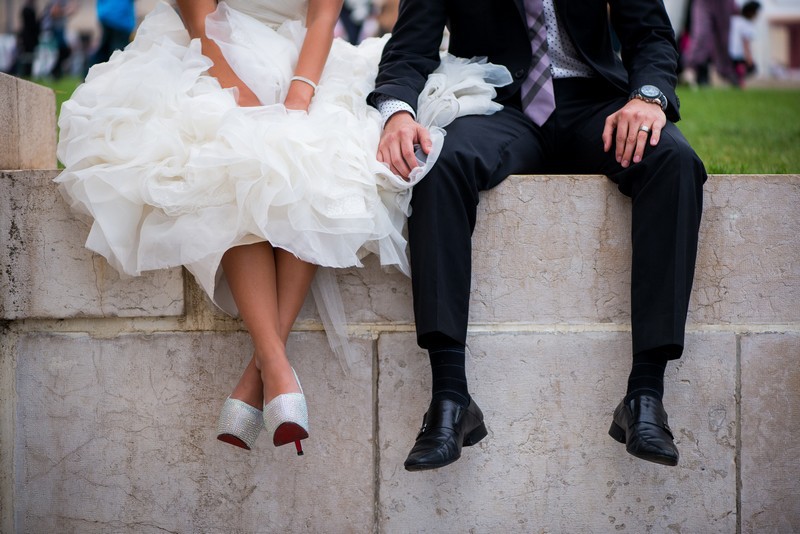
<point>288,433</point>
<point>233,440</point>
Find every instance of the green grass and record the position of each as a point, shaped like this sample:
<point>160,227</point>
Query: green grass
<point>755,131</point>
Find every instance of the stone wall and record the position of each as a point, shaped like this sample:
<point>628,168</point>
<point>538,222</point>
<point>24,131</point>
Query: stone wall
<point>110,387</point>
<point>22,104</point>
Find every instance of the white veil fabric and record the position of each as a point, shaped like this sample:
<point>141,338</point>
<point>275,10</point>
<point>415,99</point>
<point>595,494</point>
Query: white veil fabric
<point>458,87</point>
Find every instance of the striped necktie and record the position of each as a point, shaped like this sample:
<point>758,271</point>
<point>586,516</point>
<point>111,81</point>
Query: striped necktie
<point>538,101</point>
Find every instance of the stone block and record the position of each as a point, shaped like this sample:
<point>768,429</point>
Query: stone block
<point>770,429</point>
<point>28,119</point>
<point>48,273</point>
<point>556,249</point>
<point>747,269</point>
<point>371,296</point>
<point>552,249</point>
<point>548,464</point>
<point>118,435</point>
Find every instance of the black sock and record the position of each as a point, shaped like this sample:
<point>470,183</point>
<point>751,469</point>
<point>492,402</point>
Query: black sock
<point>448,371</point>
<point>647,374</point>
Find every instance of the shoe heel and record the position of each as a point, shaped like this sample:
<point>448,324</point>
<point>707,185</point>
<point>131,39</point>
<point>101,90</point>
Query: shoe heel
<point>475,436</point>
<point>617,432</point>
<point>289,433</point>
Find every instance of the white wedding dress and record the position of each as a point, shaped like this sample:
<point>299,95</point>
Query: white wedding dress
<point>173,172</point>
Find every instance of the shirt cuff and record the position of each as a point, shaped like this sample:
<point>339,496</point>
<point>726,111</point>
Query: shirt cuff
<point>388,106</point>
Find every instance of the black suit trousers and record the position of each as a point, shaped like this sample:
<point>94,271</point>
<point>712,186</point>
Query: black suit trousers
<point>481,151</point>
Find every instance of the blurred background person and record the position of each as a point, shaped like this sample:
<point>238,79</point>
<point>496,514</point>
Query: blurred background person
<point>54,22</point>
<point>352,17</point>
<point>378,19</point>
<point>708,41</point>
<point>28,39</point>
<point>743,32</point>
<point>117,20</point>
<point>82,50</point>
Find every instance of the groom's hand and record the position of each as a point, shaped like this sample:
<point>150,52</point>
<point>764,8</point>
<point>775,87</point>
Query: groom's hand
<point>628,130</point>
<point>396,148</point>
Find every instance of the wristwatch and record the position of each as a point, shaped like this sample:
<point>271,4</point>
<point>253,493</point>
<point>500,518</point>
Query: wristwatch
<point>651,94</point>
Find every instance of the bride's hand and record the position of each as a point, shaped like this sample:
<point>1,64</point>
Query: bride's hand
<point>245,97</point>
<point>299,96</point>
<point>321,20</point>
<point>194,13</point>
<point>224,74</point>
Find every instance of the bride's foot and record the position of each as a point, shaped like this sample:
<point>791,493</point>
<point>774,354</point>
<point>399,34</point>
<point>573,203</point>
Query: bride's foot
<point>241,419</point>
<point>286,416</point>
<point>278,378</point>
<point>239,423</point>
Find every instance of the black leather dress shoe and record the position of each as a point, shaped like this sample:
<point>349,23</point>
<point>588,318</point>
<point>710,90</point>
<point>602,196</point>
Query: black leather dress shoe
<point>446,427</point>
<point>641,424</point>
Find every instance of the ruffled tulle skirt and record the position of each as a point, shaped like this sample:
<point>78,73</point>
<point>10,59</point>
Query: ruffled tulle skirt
<point>172,172</point>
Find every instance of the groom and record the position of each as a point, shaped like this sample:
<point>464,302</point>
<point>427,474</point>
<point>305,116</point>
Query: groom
<point>575,106</point>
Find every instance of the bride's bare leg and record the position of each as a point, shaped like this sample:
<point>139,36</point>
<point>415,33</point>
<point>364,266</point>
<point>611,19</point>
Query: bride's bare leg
<point>269,286</point>
<point>250,389</point>
<point>294,278</point>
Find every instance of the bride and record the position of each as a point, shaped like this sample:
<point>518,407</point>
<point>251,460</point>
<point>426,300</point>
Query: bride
<point>235,140</point>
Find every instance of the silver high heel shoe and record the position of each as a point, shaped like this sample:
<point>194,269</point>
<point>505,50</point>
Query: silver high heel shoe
<point>239,423</point>
<point>286,418</point>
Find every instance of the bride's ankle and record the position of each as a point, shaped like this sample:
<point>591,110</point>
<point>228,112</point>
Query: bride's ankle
<point>252,395</point>
<point>278,379</point>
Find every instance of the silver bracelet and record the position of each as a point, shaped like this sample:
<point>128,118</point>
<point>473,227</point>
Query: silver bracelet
<point>305,80</point>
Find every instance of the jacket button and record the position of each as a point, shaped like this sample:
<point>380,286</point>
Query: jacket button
<point>519,74</point>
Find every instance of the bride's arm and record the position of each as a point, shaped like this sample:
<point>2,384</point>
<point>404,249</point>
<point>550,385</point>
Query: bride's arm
<point>194,14</point>
<point>320,22</point>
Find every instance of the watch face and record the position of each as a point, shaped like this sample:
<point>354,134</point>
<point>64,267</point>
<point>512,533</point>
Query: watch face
<point>650,91</point>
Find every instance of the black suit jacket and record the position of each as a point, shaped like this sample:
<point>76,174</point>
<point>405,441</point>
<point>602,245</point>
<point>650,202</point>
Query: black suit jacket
<point>497,29</point>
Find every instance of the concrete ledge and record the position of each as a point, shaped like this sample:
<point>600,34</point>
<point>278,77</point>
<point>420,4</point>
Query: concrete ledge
<point>108,419</point>
<point>28,119</point>
<point>529,266</point>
